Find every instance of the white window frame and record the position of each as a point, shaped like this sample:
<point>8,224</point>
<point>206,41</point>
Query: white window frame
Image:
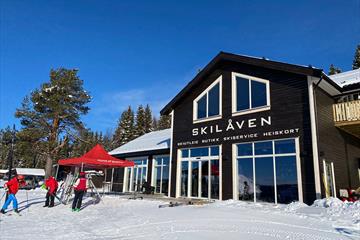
<point>154,165</point>
<point>205,92</point>
<point>234,94</point>
<point>332,174</point>
<point>132,172</point>
<point>273,155</point>
<point>189,159</point>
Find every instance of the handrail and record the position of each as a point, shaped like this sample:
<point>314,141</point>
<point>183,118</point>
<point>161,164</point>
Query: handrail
<point>346,111</point>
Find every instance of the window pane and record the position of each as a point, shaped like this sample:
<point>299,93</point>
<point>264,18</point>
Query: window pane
<point>215,179</point>
<point>286,179</point>
<point>185,153</point>
<point>166,160</point>
<point>194,179</point>
<point>214,103</point>
<point>165,180</point>
<point>199,152</point>
<point>204,179</point>
<point>157,176</point>
<point>201,113</point>
<point>258,94</point>
<point>242,92</point>
<point>265,191</point>
<point>245,179</point>
<point>262,148</point>
<point>214,151</point>
<point>184,178</point>
<point>245,149</point>
<point>285,146</point>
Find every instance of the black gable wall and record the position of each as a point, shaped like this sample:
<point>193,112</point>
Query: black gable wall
<point>289,110</point>
<point>336,145</point>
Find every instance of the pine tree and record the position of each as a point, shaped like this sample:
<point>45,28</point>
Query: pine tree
<point>155,124</point>
<point>140,121</point>
<point>125,131</point>
<point>356,61</point>
<point>53,111</point>
<point>334,70</point>
<point>148,124</point>
<point>164,122</point>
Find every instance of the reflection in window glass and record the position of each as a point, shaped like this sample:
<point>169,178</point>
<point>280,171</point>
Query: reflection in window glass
<point>245,179</point>
<point>286,179</point>
<point>285,146</point>
<point>214,151</point>
<point>262,148</point>
<point>204,179</point>
<point>245,149</point>
<point>185,153</point>
<point>184,178</point>
<point>157,176</point>
<point>264,179</point>
<point>215,172</point>
<point>199,152</point>
<point>242,94</point>
<point>165,180</point>
<point>214,101</point>
<point>201,113</point>
<point>258,94</point>
<point>194,179</point>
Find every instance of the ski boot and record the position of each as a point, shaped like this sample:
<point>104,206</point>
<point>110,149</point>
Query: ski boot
<point>16,210</point>
<point>2,211</point>
<point>77,209</point>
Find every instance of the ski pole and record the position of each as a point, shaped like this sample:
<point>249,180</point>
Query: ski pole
<point>2,196</point>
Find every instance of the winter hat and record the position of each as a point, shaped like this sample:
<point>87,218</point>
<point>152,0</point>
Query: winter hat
<point>82,174</point>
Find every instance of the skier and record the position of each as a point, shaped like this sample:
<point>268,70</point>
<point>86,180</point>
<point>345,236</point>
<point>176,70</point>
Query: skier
<point>51,185</point>
<point>80,187</point>
<point>12,187</point>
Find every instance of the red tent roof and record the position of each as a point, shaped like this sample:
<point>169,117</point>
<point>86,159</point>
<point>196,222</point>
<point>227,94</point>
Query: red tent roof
<point>97,157</point>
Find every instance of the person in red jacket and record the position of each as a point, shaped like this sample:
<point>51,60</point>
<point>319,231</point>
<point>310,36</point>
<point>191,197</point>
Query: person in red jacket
<point>51,185</point>
<point>80,187</point>
<point>12,187</point>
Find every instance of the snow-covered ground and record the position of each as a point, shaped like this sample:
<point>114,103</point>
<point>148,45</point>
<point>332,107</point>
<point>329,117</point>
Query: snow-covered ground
<point>120,218</point>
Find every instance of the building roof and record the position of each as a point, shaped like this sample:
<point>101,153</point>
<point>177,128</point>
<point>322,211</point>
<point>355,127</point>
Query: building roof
<point>30,171</point>
<point>152,141</point>
<point>255,61</point>
<point>345,79</point>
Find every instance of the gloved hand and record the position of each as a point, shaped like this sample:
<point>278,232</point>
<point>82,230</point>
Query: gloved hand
<point>6,188</point>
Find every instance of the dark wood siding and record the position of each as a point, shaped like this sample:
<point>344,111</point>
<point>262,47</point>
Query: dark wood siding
<point>336,145</point>
<point>289,109</point>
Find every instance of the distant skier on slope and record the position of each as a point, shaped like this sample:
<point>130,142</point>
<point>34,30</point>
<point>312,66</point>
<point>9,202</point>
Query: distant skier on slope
<point>80,187</point>
<point>51,185</point>
<point>12,187</point>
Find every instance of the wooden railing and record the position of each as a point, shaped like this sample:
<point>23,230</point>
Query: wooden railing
<point>346,112</point>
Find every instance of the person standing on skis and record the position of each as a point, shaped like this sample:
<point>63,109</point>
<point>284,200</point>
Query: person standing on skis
<point>80,187</point>
<point>51,185</point>
<point>12,187</point>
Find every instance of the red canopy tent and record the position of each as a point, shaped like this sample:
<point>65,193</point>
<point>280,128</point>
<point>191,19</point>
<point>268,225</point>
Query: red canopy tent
<point>96,158</point>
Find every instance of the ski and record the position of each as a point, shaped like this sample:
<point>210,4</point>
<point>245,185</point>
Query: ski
<point>172,204</point>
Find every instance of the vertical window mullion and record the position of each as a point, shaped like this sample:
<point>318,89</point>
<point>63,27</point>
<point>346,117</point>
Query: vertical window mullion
<point>274,166</point>
<point>207,104</point>
<point>250,98</point>
<point>254,170</point>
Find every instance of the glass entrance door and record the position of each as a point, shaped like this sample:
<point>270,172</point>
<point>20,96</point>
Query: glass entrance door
<point>200,174</point>
<point>136,176</point>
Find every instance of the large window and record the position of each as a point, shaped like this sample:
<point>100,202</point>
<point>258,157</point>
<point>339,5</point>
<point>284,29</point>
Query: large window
<point>250,94</point>
<point>200,172</point>
<point>267,171</point>
<point>136,176</point>
<point>161,174</point>
<point>208,104</point>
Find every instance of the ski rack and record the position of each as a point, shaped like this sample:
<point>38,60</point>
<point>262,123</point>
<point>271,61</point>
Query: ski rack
<point>67,188</point>
<point>93,188</point>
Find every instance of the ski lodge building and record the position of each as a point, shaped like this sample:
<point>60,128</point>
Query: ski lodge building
<point>253,129</point>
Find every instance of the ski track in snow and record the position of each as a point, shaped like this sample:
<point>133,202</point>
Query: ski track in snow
<point>119,218</point>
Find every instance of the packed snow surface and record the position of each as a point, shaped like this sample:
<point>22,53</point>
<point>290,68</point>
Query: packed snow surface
<point>116,217</point>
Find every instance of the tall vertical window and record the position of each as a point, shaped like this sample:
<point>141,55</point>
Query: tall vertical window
<point>250,94</point>
<point>208,104</point>
<point>161,174</point>
<point>267,171</point>
<point>136,176</point>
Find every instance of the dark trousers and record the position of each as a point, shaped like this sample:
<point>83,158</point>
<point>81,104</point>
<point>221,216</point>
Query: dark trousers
<point>50,198</point>
<point>78,199</point>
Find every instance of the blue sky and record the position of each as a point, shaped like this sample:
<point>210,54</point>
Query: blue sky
<point>139,52</point>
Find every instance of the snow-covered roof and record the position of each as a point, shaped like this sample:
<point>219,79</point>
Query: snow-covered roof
<point>30,171</point>
<point>346,78</point>
<point>156,140</point>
